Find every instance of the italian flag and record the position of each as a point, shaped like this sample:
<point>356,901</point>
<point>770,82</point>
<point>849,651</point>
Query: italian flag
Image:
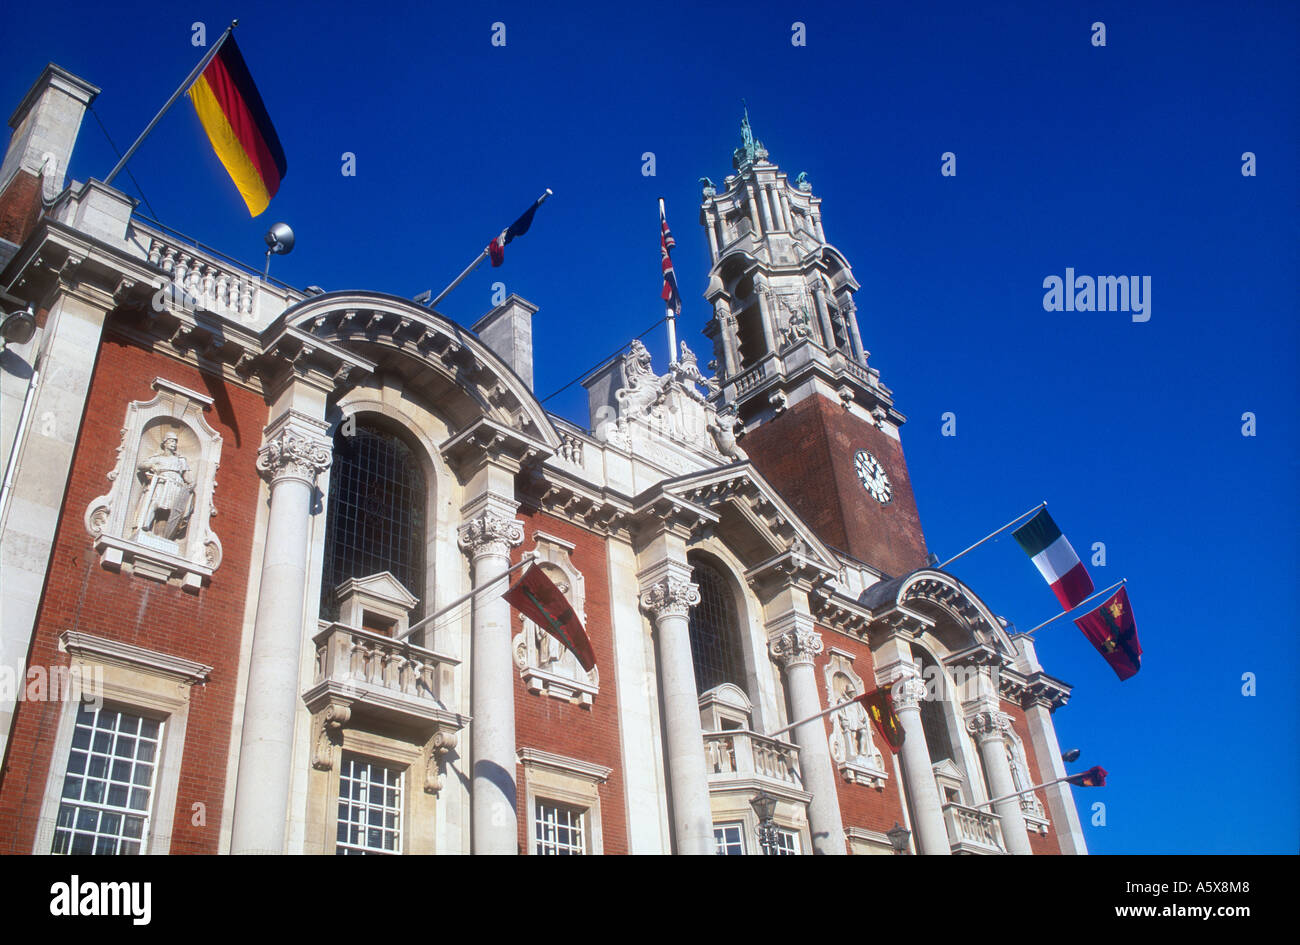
<point>1055,559</point>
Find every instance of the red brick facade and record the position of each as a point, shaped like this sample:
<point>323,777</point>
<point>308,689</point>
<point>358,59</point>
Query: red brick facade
<point>80,594</point>
<point>872,808</point>
<point>20,206</point>
<point>807,454</point>
<point>587,733</point>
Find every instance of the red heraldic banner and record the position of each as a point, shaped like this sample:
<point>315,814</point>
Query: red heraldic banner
<point>1113,631</point>
<point>538,599</point>
<point>880,706</point>
<point>231,112</point>
<point>1093,777</point>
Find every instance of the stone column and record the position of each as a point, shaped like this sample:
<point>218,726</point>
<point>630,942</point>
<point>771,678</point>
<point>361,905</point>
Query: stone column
<point>989,728</point>
<point>488,538</point>
<point>727,331</point>
<point>795,648</point>
<point>297,450</point>
<point>667,599</point>
<point>753,213</point>
<point>851,322</point>
<point>710,227</point>
<point>785,207</point>
<point>763,289</point>
<point>765,208</point>
<point>823,316</point>
<point>908,691</point>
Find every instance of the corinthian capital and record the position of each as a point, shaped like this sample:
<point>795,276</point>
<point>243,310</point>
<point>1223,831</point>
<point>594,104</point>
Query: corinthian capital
<point>796,645</point>
<point>907,692</point>
<point>294,454</point>
<point>988,724</point>
<point>490,534</point>
<point>669,597</point>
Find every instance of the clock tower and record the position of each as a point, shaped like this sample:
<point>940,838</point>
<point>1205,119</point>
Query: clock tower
<point>818,422</point>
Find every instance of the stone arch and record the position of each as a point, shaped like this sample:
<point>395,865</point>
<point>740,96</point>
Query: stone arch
<point>436,360</point>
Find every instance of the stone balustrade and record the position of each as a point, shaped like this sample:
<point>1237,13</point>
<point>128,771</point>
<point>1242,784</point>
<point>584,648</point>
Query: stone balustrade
<point>973,831</point>
<point>739,753</point>
<point>208,284</point>
<point>393,677</point>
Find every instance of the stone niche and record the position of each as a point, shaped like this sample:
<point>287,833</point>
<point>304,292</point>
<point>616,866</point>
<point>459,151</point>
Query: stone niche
<point>852,737</point>
<point>544,663</point>
<point>155,519</point>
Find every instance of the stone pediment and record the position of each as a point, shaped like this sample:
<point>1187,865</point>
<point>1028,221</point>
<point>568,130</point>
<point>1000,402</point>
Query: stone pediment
<point>787,543</point>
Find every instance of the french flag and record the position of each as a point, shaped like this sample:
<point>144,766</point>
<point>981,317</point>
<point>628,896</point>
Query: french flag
<point>1055,559</point>
<point>497,248</point>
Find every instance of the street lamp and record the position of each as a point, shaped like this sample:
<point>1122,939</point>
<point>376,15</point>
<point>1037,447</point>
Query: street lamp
<point>764,805</point>
<point>898,838</point>
<point>18,328</point>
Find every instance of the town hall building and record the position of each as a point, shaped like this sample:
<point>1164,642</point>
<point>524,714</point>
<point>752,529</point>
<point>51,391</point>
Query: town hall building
<point>225,501</point>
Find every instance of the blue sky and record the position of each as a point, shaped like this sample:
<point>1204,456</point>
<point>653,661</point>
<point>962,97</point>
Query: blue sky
<point>1117,160</point>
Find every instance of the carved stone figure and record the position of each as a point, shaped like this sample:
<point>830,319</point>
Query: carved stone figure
<point>722,427</point>
<point>168,499</point>
<point>856,728</point>
<point>687,369</point>
<point>644,388</point>
<point>708,187</point>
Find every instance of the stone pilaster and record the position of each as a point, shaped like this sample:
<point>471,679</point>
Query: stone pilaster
<point>794,645</point>
<point>487,538</point>
<point>990,728</point>
<point>296,451</point>
<point>667,596</point>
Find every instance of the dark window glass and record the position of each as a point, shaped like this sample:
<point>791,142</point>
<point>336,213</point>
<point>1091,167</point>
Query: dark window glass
<point>714,644</point>
<point>376,514</point>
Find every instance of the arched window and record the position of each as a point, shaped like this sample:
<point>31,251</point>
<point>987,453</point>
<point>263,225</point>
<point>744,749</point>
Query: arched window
<point>376,518</point>
<point>715,646</point>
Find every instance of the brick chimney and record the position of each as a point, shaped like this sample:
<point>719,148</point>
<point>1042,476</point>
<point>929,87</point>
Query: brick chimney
<point>45,127</point>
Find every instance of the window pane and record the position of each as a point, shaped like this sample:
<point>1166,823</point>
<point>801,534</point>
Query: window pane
<point>376,514</point>
<point>559,830</point>
<point>714,632</point>
<point>370,794</point>
<point>94,817</point>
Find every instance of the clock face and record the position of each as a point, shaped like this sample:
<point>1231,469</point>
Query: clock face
<point>872,476</point>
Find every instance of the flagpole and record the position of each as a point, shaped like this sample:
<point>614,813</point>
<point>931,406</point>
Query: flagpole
<point>1007,797</point>
<point>812,718</point>
<point>669,315</point>
<point>1009,524</point>
<point>189,80</point>
<point>528,559</point>
<point>1074,608</point>
<point>478,260</point>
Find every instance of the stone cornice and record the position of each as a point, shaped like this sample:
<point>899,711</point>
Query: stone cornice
<point>536,757</point>
<point>486,441</point>
<point>128,654</point>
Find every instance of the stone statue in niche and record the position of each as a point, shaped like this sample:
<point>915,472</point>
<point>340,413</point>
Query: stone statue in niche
<point>545,664</point>
<point>155,521</point>
<point>854,724</point>
<point>852,745</point>
<point>168,499</point>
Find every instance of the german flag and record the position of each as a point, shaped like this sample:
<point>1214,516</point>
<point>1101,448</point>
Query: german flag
<point>231,112</point>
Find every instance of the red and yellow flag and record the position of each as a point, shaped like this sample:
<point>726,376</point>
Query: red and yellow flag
<point>231,112</point>
<point>879,704</point>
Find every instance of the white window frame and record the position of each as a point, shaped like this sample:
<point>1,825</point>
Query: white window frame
<point>721,843</point>
<point>570,782</point>
<point>110,781</point>
<point>137,681</point>
<point>792,845</point>
<point>546,829</point>
<point>400,772</point>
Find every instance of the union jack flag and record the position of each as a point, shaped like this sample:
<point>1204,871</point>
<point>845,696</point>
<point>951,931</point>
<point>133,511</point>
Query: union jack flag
<point>672,298</point>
